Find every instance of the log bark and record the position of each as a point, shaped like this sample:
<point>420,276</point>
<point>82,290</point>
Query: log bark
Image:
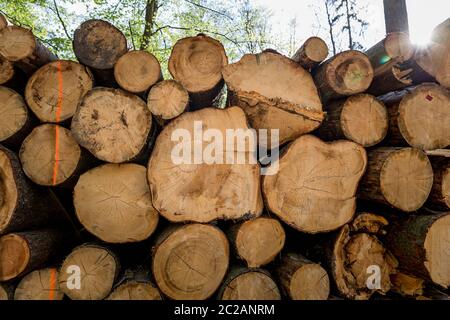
<point>257,241</point>
<point>3,21</point>
<point>190,261</point>
<point>313,51</point>
<point>167,100</point>
<point>24,206</point>
<point>345,74</point>
<point>40,284</point>
<point>259,85</point>
<point>20,46</point>
<point>6,71</point>
<point>135,284</point>
<point>54,91</point>
<point>248,284</point>
<point>197,62</point>
<point>198,183</point>
<point>440,192</point>
<point>420,243</point>
<point>301,279</point>
<point>113,203</point>
<point>16,121</point>
<point>395,16</point>
<point>97,268</point>
<point>361,118</point>
<point>314,188</point>
<point>115,126</point>
<point>398,177</point>
<point>137,71</point>
<point>419,117</point>
<point>50,156</point>
<point>22,252</point>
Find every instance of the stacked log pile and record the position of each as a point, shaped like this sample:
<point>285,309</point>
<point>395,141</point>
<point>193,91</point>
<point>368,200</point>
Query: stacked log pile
<point>104,153</point>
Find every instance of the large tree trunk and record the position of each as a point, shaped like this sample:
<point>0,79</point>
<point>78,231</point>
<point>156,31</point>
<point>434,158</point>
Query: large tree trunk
<point>41,284</point>
<point>257,241</point>
<point>420,243</point>
<point>311,53</point>
<point>440,192</point>
<point>301,279</point>
<point>22,252</point>
<point>54,91</point>
<point>114,125</point>
<point>274,91</point>
<point>314,188</point>
<point>395,16</point>
<point>20,46</point>
<point>137,71</point>
<point>248,284</point>
<point>113,203</point>
<point>419,117</point>
<point>50,156</point>
<point>345,74</point>
<point>167,100</point>
<point>197,62</point>
<point>399,177</point>
<point>190,261</point>
<point>189,184</point>
<point>94,266</point>
<point>24,206</point>
<point>360,118</point>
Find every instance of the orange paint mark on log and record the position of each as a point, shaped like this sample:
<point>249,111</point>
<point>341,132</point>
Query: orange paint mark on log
<point>58,118</point>
<point>52,287</point>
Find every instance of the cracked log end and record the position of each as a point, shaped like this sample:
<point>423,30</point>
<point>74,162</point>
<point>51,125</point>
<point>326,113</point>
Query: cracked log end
<point>16,43</point>
<point>191,262</point>
<point>113,202</point>
<point>39,285</point>
<point>13,115</point>
<point>167,100</point>
<point>14,256</point>
<point>135,290</point>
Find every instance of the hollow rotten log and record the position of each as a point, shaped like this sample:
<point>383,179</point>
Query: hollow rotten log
<point>313,51</point>
<point>301,279</point>
<point>197,62</point>
<point>40,284</point>
<point>398,177</point>
<point>167,100</point>
<point>190,261</point>
<point>314,187</point>
<point>274,91</point>
<point>361,118</point>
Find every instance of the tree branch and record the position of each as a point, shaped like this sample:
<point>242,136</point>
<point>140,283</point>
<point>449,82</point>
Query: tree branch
<point>61,20</point>
<point>209,9</point>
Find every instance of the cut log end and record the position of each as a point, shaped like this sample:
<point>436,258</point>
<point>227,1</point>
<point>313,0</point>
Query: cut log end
<point>98,44</point>
<point>134,290</point>
<point>16,43</point>
<point>54,91</point>
<point>311,53</point>
<point>3,21</point>
<point>137,71</point>
<point>398,46</point>
<point>8,191</point>
<point>3,294</point>
<point>258,241</point>
<point>14,113</point>
<point>251,285</point>
<point>97,267</point>
<point>167,99</point>
<point>49,155</point>
<point>14,256</point>
<point>39,285</point>
<point>6,70</point>
<point>191,262</point>
<point>113,203</point>
<point>309,282</point>
<point>112,124</point>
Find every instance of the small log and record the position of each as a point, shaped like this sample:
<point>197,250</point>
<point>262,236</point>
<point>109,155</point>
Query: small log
<point>440,192</point>
<point>313,51</point>
<point>314,188</point>
<point>274,91</point>
<point>190,261</point>
<point>361,118</point>
<point>54,91</point>
<point>113,125</point>
<point>419,117</point>
<point>137,71</point>
<point>7,291</point>
<point>399,177</point>
<point>94,266</point>
<point>197,62</point>
<point>406,284</point>
<point>22,252</point>
<point>427,256</point>
<point>167,100</point>
<point>248,284</point>
<point>50,156</point>
<point>113,203</point>
<point>135,285</point>
<point>213,187</point>
<point>347,73</point>
<point>20,46</point>
<point>6,71</point>
<point>301,279</point>
<point>41,284</point>
<point>257,241</point>
<point>16,122</point>
<point>12,77</point>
